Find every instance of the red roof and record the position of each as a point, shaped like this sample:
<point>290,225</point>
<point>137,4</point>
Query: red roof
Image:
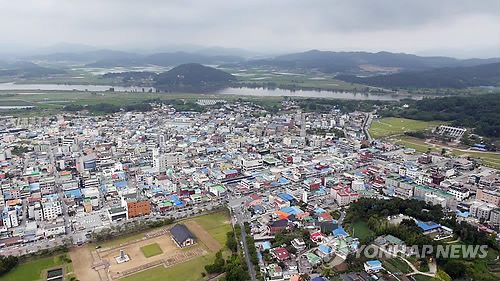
<point>317,235</point>
<point>281,253</point>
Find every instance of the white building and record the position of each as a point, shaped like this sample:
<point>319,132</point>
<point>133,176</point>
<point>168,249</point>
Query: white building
<point>51,208</point>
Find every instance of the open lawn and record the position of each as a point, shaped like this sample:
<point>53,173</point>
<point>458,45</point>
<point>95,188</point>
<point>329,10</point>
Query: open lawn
<point>151,250</point>
<point>217,225</point>
<point>360,230</point>
<point>397,265</point>
<point>190,270</point>
<point>392,126</point>
<point>35,270</point>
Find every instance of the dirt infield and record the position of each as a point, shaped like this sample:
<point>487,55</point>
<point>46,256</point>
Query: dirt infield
<point>82,264</point>
<point>136,256</point>
<point>203,236</point>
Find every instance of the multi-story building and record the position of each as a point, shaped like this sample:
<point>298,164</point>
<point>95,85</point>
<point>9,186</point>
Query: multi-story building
<point>490,195</point>
<point>136,206</point>
<point>51,208</point>
<point>251,163</point>
<point>436,197</point>
<point>481,210</point>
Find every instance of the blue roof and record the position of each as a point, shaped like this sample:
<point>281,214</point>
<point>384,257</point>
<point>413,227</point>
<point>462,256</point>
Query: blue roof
<point>285,196</point>
<point>34,186</point>
<point>121,184</point>
<point>177,202</point>
<point>463,214</point>
<point>266,245</point>
<point>339,231</point>
<point>73,193</point>
<point>292,210</point>
<point>325,249</point>
<point>426,226</point>
<point>319,278</point>
<point>374,263</point>
<point>283,181</point>
<point>320,210</point>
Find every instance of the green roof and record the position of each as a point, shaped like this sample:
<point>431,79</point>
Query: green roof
<point>446,194</point>
<point>313,258</point>
<point>219,188</point>
<point>394,240</point>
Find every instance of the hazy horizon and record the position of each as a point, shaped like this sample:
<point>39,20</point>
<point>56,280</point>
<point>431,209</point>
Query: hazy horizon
<point>461,29</point>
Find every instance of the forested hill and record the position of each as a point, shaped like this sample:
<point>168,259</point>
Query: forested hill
<point>479,112</point>
<point>26,70</point>
<point>193,77</point>
<point>457,78</point>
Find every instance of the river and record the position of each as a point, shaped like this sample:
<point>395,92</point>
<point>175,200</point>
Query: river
<point>313,94</point>
<point>228,91</point>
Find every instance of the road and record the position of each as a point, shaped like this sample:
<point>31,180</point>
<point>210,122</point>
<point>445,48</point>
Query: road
<point>366,126</point>
<point>241,219</point>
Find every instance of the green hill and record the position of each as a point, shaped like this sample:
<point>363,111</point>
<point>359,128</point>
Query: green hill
<point>193,77</point>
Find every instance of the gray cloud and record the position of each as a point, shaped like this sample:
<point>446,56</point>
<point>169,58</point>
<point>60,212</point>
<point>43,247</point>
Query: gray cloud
<point>278,25</point>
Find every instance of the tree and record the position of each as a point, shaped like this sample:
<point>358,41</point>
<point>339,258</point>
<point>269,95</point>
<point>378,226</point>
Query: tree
<point>326,272</point>
<point>7,263</point>
<point>455,269</point>
<point>442,276</point>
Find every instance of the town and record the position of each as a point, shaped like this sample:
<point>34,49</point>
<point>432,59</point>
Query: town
<point>288,180</point>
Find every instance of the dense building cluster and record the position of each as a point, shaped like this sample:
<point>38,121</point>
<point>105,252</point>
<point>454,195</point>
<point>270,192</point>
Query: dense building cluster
<point>71,175</point>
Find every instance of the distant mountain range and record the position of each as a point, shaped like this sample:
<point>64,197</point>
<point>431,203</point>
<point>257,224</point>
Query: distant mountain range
<point>456,77</point>
<point>163,59</point>
<point>355,62</point>
<point>378,69</point>
<point>324,61</point>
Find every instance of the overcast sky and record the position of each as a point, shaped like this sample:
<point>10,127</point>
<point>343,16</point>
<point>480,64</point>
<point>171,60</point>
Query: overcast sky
<point>455,27</point>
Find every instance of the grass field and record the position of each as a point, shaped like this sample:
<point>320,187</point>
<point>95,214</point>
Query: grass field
<point>397,265</point>
<point>190,270</point>
<point>217,225</point>
<point>34,270</point>
<point>488,158</point>
<point>360,229</point>
<point>420,277</point>
<point>151,250</point>
<point>393,126</point>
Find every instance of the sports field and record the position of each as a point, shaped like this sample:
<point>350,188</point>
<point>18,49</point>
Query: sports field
<point>392,126</point>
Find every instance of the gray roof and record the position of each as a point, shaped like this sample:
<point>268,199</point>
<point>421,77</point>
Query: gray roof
<point>180,233</point>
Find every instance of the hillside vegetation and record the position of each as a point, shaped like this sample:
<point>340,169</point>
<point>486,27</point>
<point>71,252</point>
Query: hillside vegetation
<point>457,78</point>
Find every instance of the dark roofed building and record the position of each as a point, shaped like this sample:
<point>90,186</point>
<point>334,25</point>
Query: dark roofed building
<point>182,236</point>
<point>278,226</point>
